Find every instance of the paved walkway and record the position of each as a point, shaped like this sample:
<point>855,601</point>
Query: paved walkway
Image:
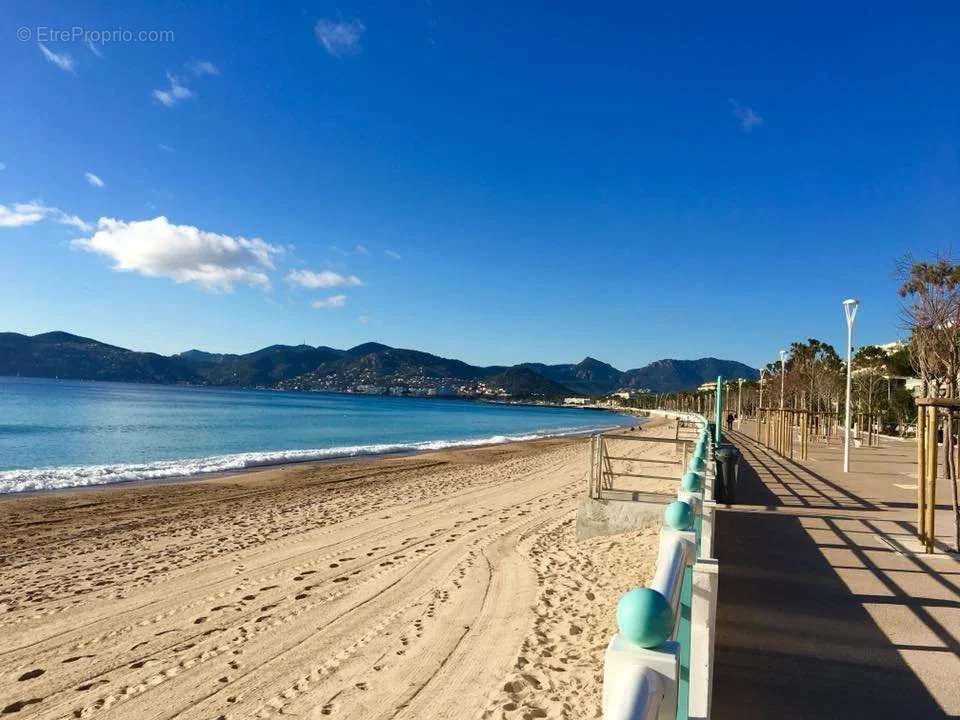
<point>824,612</point>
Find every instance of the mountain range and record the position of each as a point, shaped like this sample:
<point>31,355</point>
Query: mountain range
<point>369,368</point>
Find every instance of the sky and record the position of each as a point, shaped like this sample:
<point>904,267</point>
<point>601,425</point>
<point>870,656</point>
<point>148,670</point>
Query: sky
<point>495,182</point>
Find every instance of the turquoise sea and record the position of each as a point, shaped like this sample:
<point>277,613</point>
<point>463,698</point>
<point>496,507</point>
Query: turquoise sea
<point>64,433</point>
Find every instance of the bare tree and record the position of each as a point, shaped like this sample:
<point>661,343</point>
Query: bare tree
<point>931,293</point>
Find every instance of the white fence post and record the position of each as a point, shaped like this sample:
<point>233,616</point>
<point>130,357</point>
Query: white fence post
<point>640,683</point>
<point>703,622</point>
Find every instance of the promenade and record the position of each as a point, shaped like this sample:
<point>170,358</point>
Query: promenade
<point>825,610</point>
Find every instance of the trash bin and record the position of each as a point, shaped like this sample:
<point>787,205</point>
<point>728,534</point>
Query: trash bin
<point>728,468</point>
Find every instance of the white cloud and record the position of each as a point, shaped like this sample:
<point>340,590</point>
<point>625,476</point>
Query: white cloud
<point>363,319</point>
<point>203,67</point>
<point>93,48</point>
<point>361,249</point>
<point>94,180</point>
<point>334,301</point>
<point>64,61</point>
<point>392,254</point>
<point>174,94</point>
<point>747,117</point>
<point>322,279</point>
<point>165,148</point>
<point>3,166</point>
<point>339,38</point>
<point>183,253</point>
<point>22,214</point>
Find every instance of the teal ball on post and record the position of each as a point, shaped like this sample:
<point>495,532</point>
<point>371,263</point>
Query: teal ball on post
<point>678,515</point>
<point>644,617</point>
<point>690,482</point>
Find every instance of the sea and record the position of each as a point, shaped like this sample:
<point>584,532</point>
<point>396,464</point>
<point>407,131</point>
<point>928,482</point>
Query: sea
<point>69,433</point>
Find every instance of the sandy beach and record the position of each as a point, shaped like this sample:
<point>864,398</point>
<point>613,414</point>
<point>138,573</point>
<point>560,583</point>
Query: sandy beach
<point>440,585</point>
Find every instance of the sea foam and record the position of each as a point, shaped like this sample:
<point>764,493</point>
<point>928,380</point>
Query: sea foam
<point>66,476</point>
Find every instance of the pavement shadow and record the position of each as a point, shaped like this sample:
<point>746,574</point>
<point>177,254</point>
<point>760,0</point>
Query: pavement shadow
<point>792,640</point>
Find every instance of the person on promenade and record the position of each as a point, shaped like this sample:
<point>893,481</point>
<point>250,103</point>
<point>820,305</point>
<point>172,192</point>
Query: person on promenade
<point>729,421</point>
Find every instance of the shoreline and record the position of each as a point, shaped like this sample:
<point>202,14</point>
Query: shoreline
<point>310,464</point>
<point>319,588</point>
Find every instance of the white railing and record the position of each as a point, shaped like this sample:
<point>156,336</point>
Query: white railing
<point>642,674</point>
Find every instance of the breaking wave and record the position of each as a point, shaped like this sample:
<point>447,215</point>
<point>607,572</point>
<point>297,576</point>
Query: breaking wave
<point>51,478</point>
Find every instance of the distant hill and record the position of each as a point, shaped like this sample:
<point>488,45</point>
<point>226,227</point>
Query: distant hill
<point>60,354</point>
<point>519,381</point>
<point>368,368</point>
<point>201,357</point>
<point>587,377</point>
<point>671,375</point>
<point>267,367</point>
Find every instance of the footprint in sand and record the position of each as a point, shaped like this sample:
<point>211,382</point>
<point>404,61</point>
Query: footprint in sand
<point>20,705</point>
<point>78,657</point>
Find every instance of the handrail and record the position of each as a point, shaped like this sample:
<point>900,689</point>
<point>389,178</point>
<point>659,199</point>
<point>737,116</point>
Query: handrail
<point>665,625</point>
<point>671,562</point>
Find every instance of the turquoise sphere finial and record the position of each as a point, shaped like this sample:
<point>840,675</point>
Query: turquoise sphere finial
<point>678,515</point>
<point>690,482</point>
<point>644,617</point>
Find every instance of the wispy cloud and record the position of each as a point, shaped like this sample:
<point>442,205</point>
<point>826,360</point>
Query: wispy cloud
<point>748,118</point>
<point>363,319</point>
<point>322,279</point>
<point>177,89</point>
<point>183,253</point>
<point>3,166</point>
<point>203,67</point>
<point>20,214</point>
<point>334,301</point>
<point>94,179</point>
<point>174,93</point>
<point>392,254</point>
<point>361,249</point>
<point>339,38</point>
<point>30,213</point>
<point>165,148</point>
<point>64,61</point>
<point>93,48</point>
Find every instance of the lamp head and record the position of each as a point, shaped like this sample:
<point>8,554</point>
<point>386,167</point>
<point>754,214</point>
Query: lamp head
<point>850,306</point>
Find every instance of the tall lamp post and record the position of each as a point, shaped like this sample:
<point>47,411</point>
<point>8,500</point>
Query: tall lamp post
<point>850,311</point>
<point>739,402</point>
<point>783,374</point>
<point>760,404</point>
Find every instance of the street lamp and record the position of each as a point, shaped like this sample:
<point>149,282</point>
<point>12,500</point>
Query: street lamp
<point>850,311</point>
<point>783,374</point>
<point>739,402</point>
<point>760,404</point>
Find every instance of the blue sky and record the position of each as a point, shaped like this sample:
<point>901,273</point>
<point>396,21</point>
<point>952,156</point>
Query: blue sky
<point>495,182</point>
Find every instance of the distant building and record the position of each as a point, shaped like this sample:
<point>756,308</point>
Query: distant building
<point>891,347</point>
<point>580,401</point>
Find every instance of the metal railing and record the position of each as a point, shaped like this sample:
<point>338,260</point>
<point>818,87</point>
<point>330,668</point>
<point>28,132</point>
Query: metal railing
<point>605,468</point>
